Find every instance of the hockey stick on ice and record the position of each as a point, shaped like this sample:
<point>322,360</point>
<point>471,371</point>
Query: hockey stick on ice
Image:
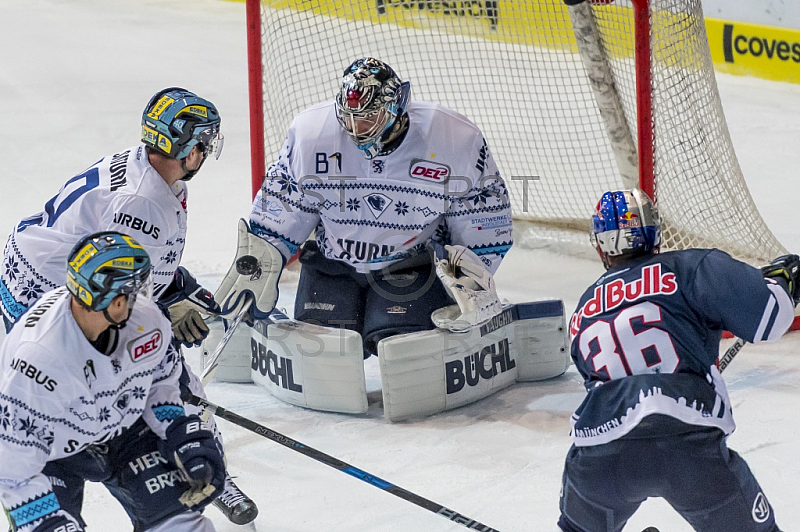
<point>328,460</point>
<point>213,359</point>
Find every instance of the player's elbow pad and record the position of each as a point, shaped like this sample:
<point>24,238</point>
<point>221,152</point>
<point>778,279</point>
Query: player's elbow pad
<point>778,315</point>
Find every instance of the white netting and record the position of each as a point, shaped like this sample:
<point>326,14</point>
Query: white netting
<point>513,68</point>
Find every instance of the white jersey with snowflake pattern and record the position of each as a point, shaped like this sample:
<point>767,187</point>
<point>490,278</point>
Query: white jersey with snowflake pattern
<point>441,183</point>
<point>121,192</point>
<point>58,394</point>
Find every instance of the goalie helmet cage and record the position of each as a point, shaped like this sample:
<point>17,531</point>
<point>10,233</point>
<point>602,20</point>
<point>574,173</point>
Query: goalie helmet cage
<point>574,100</point>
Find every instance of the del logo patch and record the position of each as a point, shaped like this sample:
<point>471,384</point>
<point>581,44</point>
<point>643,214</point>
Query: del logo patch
<point>145,346</point>
<point>429,170</point>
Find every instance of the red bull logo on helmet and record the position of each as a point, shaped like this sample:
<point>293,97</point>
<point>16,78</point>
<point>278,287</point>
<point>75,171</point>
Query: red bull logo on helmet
<point>629,220</point>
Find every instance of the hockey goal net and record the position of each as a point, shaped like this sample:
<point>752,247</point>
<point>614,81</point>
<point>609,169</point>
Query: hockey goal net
<point>573,100</point>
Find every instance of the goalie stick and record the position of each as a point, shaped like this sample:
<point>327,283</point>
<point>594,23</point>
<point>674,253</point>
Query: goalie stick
<point>276,316</point>
<point>335,463</point>
<point>213,359</point>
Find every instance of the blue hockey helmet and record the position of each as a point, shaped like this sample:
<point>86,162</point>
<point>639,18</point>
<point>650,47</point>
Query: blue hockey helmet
<point>626,223</point>
<point>175,120</point>
<point>369,102</point>
<point>104,265</point>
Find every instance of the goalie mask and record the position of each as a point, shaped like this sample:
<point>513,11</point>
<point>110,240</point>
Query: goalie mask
<point>175,120</point>
<point>370,101</point>
<point>626,223</point>
<point>105,265</point>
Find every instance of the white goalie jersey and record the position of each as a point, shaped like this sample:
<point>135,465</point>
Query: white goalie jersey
<point>58,394</point>
<point>121,192</point>
<point>441,184</point>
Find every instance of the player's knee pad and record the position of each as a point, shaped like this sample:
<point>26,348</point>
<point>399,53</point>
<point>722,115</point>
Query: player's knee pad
<point>745,508</point>
<point>310,365</point>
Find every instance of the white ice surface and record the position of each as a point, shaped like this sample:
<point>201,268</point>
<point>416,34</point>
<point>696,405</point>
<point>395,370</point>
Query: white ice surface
<point>74,76</point>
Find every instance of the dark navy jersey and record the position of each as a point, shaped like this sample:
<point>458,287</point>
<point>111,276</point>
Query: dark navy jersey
<point>645,337</point>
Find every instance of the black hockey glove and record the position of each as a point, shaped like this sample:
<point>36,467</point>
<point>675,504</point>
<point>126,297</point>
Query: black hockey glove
<point>786,270</point>
<point>183,301</point>
<point>190,447</point>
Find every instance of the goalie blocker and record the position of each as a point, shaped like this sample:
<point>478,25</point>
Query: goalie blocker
<point>422,373</point>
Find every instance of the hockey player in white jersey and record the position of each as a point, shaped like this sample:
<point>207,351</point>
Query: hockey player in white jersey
<point>141,191</point>
<point>377,178</point>
<point>89,391</point>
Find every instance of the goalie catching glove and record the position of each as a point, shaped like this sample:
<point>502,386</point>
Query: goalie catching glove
<point>471,285</point>
<point>786,270</point>
<point>254,274</point>
<point>184,301</point>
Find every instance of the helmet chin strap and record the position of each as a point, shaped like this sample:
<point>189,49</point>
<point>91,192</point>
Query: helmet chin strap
<point>189,174</point>
<point>117,324</point>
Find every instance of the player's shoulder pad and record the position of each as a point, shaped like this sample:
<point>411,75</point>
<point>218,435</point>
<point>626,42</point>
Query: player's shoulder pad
<point>315,126</point>
<point>145,217</point>
<point>432,111</point>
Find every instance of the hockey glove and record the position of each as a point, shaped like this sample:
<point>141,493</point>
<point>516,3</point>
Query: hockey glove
<point>786,270</point>
<point>255,273</point>
<point>56,522</point>
<point>190,447</point>
<point>184,300</point>
<point>471,285</point>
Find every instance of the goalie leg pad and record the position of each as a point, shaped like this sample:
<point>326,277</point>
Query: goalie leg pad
<point>234,364</point>
<point>309,365</point>
<point>428,372</point>
<point>542,342</point>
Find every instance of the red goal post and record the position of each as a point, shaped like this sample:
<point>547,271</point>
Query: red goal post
<point>573,99</point>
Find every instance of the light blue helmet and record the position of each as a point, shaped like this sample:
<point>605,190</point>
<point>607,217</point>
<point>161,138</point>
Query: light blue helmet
<point>370,101</point>
<point>626,223</point>
<point>104,265</point>
<point>175,120</point>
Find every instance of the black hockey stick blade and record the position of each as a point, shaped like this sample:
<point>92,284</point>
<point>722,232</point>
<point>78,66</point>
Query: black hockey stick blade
<point>335,463</point>
<point>213,359</point>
